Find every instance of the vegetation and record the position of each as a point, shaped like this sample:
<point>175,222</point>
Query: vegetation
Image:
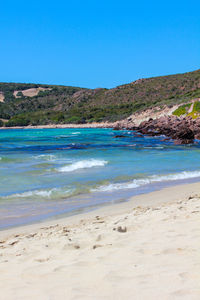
<point>64,104</point>
<point>196,110</point>
<point>182,110</point>
<point>196,107</point>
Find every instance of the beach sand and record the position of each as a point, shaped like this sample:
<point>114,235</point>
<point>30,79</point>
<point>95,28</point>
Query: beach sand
<point>63,126</point>
<point>146,248</point>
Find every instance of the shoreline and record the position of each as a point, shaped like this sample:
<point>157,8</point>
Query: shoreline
<point>54,126</point>
<point>106,208</point>
<point>146,199</point>
<point>123,248</point>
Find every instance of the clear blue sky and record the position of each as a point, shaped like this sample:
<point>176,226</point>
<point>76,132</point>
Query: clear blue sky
<point>101,43</point>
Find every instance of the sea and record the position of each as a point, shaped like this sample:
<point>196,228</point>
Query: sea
<point>51,173</point>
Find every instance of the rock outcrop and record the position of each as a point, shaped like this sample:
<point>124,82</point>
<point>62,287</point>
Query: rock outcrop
<point>181,130</point>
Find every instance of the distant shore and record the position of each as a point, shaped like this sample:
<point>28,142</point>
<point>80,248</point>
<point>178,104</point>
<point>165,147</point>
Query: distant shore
<point>87,125</point>
<point>147,247</point>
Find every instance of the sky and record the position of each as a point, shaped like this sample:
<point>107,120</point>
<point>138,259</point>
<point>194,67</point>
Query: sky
<point>97,43</point>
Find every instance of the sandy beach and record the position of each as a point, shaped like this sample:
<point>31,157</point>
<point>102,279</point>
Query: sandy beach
<point>146,248</point>
<point>62,126</point>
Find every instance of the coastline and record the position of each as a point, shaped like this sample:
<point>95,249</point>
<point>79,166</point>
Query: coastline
<point>155,235</point>
<point>54,126</point>
<point>152,198</point>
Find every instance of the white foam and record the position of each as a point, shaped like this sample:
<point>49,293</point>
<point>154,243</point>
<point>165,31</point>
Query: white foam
<point>75,133</point>
<point>62,136</point>
<point>156,147</point>
<point>51,193</point>
<point>49,157</point>
<point>82,164</point>
<point>41,193</point>
<point>151,179</point>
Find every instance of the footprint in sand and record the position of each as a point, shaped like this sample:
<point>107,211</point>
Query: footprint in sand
<point>41,260</point>
<point>182,293</point>
<point>97,246</point>
<point>99,238</point>
<point>71,247</point>
<point>184,275</point>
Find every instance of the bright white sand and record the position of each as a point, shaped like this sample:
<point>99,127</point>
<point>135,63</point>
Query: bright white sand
<point>88,257</point>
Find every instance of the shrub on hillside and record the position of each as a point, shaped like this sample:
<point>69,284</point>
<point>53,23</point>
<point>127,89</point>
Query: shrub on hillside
<point>196,107</point>
<point>18,121</point>
<point>181,110</point>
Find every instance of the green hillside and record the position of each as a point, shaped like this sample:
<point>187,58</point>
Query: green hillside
<point>64,104</point>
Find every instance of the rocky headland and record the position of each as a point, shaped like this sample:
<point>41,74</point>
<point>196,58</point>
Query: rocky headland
<point>181,130</point>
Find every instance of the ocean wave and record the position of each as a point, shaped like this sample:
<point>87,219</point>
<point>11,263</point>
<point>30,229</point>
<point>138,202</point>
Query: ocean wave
<point>62,137</point>
<point>49,157</point>
<point>41,193</point>
<point>69,191</point>
<point>155,147</point>
<point>55,193</point>
<point>82,164</point>
<point>148,180</point>
<point>75,133</point>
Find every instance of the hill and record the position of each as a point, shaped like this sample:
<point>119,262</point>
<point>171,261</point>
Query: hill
<point>38,104</point>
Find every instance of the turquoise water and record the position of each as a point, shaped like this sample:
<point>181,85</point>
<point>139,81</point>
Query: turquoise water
<point>49,172</point>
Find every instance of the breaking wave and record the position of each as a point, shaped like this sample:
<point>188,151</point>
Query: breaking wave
<point>48,157</point>
<point>69,191</point>
<point>151,179</point>
<point>55,193</point>
<point>82,164</point>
